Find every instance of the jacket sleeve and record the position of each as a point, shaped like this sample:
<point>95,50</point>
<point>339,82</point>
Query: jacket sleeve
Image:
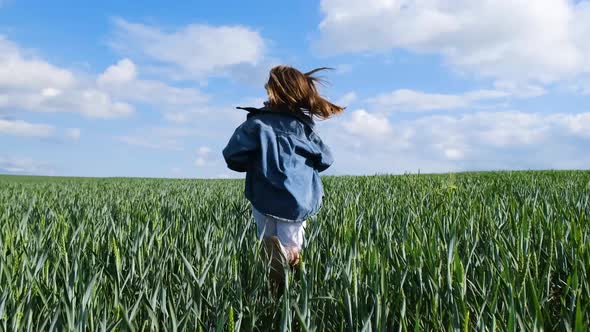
<point>323,156</point>
<point>243,143</point>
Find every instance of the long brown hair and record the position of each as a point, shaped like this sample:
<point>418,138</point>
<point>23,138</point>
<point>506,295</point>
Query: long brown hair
<point>289,88</point>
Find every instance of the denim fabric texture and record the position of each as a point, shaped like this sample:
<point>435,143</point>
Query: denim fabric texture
<point>282,156</point>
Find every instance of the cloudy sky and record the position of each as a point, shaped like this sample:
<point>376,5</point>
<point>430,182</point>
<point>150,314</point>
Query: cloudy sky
<point>146,89</point>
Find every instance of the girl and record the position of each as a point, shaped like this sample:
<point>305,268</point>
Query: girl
<point>282,156</point>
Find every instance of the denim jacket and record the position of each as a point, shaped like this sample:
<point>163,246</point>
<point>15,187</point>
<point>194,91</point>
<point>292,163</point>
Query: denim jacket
<point>282,156</point>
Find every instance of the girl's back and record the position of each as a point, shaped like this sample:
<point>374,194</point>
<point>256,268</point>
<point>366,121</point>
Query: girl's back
<point>285,157</point>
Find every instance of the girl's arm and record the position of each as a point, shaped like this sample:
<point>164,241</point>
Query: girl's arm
<point>322,156</point>
<point>240,147</point>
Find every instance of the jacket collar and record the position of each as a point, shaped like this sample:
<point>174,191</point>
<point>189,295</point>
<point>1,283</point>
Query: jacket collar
<point>301,116</point>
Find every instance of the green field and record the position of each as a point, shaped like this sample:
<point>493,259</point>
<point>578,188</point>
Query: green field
<point>473,251</point>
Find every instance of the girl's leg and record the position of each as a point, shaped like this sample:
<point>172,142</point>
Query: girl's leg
<point>291,236</point>
<point>266,229</point>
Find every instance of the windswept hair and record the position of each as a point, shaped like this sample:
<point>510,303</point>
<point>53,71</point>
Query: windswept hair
<point>289,88</point>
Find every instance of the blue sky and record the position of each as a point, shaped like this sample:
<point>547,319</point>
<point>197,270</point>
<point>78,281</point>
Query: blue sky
<point>149,89</point>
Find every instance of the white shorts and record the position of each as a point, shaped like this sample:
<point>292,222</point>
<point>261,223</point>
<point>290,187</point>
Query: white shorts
<point>291,234</point>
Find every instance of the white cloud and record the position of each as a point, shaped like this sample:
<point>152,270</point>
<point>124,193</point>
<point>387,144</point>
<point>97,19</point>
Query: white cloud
<point>453,154</point>
<point>29,83</point>
<point>50,92</point>
<point>73,133</point>
<point>347,99</point>
<point>182,116</point>
<point>122,72</point>
<point>520,90</point>
<point>368,125</point>
<point>32,84</point>
<point>25,129</point>
<point>472,141</point>
<point>203,156</point>
<point>18,165</point>
<point>156,143</point>
<point>580,86</point>
<point>90,102</point>
<point>575,124</point>
<point>121,80</point>
<point>196,49</point>
<point>93,103</point>
<point>406,100</point>
<point>506,129</point>
<point>203,150</point>
<point>415,100</point>
<point>212,123</point>
<point>160,138</point>
<point>18,71</point>
<point>344,68</point>
<point>515,40</point>
<point>224,116</point>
